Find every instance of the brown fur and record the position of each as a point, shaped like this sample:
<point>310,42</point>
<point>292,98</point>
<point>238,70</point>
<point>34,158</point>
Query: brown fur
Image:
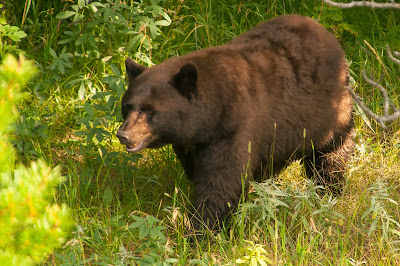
<point>280,86</point>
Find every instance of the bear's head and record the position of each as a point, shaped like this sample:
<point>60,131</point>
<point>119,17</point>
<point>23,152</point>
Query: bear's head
<point>156,104</point>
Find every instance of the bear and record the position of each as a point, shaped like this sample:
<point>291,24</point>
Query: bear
<point>280,88</point>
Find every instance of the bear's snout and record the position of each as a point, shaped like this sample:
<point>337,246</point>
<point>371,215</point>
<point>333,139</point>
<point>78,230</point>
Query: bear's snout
<point>123,137</point>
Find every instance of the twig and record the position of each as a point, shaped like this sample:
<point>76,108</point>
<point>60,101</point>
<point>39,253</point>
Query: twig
<point>375,84</point>
<point>370,4</point>
<point>387,105</point>
<point>380,119</point>
<point>394,59</point>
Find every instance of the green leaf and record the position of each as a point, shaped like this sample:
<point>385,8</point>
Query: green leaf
<point>115,69</point>
<point>167,18</point>
<point>61,67</point>
<point>101,94</point>
<point>151,220</point>
<point>81,4</point>
<point>64,41</point>
<point>105,59</point>
<point>171,260</point>
<point>372,227</point>
<point>53,66</point>
<point>143,231</point>
<point>162,23</point>
<point>76,8</point>
<point>135,225</point>
<point>81,39</point>
<point>86,122</point>
<point>93,8</point>
<point>146,44</point>
<point>97,4</point>
<point>18,35</point>
<point>153,29</point>
<point>107,196</point>
<point>78,17</point>
<point>82,91</point>
<point>107,14</point>
<point>101,133</point>
<point>138,219</point>
<point>53,53</point>
<point>65,14</point>
<point>133,42</point>
<point>89,109</point>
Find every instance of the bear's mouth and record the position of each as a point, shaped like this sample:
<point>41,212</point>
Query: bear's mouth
<point>136,147</point>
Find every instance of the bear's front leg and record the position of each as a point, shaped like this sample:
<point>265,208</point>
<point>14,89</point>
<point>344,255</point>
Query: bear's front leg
<point>186,159</point>
<point>218,175</point>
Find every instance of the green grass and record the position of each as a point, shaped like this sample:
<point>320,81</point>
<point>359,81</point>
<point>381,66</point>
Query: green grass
<point>283,222</point>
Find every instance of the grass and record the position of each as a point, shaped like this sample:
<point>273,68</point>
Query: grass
<point>133,208</point>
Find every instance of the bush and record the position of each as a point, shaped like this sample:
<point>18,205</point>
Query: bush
<point>30,226</point>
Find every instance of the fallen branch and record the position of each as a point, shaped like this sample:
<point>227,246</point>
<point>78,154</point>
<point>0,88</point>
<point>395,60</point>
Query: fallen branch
<point>381,119</point>
<point>395,57</point>
<point>387,106</point>
<point>371,4</point>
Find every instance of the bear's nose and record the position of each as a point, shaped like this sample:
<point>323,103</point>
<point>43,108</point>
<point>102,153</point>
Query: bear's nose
<point>123,137</point>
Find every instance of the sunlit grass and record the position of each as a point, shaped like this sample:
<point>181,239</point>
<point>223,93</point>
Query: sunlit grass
<point>284,221</point>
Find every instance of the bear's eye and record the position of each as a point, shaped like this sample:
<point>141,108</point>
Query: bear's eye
<point>148,110</point>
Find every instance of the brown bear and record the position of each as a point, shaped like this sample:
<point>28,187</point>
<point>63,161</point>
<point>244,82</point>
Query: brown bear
<point>280,86</point>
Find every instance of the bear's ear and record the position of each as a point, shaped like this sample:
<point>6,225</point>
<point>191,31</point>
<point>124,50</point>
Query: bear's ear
<point>133,69</point>
<point>186,80</point>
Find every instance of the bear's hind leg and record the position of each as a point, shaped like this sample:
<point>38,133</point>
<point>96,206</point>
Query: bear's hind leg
<point>327,167</point>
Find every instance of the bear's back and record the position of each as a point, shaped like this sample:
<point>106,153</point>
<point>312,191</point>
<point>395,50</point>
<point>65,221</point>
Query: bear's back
<point>285,76</point>
<point>304,84</point>
<point>312,52</point>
